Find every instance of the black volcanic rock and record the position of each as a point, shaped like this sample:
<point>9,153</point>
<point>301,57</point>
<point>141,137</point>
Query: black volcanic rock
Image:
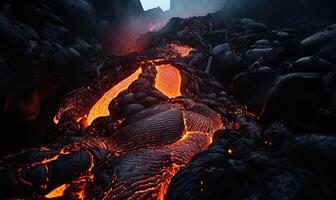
<point>307,14</point>
<point>295,96</point>
<point>79,15</point>
<point>313,43</point>
<point>118,11</point>
<point>237,167</point>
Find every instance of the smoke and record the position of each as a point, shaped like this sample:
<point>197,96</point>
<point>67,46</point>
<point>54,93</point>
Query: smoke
<point>152,20</point>
<point>189,8</point>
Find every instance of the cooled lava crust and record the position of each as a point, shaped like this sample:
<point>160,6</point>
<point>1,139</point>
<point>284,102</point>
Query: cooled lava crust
<point>127,133</point>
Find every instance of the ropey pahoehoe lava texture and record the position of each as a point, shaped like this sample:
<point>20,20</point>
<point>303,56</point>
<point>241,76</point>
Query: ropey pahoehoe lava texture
<point>127,137</point>
<point>208,107</point>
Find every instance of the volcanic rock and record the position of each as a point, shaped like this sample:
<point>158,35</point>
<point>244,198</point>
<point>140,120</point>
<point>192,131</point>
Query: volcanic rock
<point>327,52</point>
<point>313,43</point>
<point>256,27</point>
<point>312,64</point>
<point>79,15</point>
<point>221,49</point>
<point>255,54</point>
<point>294,96</point>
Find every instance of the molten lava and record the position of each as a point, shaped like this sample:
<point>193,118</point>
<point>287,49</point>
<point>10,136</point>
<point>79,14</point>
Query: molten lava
<point>57,192</point>
<point>182,49</point>
<point>138,157</point>
<point>101,107</point>
<point>168,80</point>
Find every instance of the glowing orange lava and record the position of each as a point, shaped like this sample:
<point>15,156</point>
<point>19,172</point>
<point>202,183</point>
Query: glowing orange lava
<point>168,80</point>
<point>101,107</point>
<point>57,192</point>
<point>184,50</point>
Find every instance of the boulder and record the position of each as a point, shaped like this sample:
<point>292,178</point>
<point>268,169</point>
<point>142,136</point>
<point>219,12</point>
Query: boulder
<point>327,52</point>
<point>228,58</point>
<point>221,48</point>
<point>256,27</point>
<point>296,96</point>
<point>312,64</point>
<point>255,54</point>
<point>314,42</point>
<point>263,43</point>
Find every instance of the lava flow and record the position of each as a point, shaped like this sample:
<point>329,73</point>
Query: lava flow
<point>101,107</point>
<point>168,81</point>
<point>156,127</point>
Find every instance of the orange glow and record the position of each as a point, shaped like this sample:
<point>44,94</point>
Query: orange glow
<point>168,80</point>
<point>57,192</point>
<point>184,50</point>
<point>101,107</point>
<point>53,158</point>
<point>230,151</point>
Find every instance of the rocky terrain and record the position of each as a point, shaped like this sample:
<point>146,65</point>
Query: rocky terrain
<point>257,85</point>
